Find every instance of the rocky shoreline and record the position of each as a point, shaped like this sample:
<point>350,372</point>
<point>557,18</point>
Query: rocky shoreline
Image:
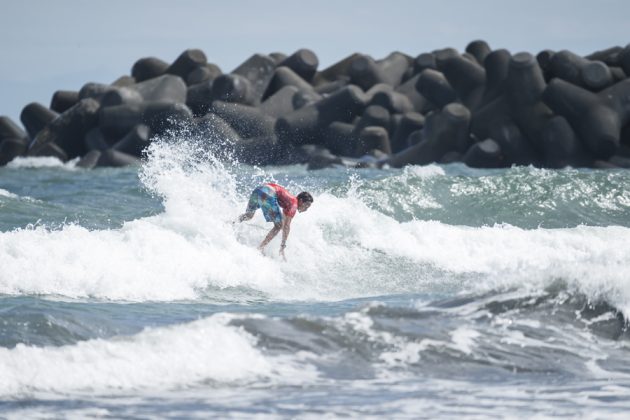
<point>486,108</point>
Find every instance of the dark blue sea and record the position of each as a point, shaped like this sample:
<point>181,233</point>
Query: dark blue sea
<point>435,291</point>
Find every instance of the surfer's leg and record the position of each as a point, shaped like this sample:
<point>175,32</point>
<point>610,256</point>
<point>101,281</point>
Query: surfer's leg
<point>252,205</point>
<point>271,210</point>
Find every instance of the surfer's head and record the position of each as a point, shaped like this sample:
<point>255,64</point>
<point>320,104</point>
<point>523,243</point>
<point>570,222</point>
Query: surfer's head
<point>304,201</point>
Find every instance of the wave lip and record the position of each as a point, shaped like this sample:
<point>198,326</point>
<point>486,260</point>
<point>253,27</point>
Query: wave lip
<point>207,350</point>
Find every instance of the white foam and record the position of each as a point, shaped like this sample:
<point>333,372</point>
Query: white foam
<point>464,339</point>
<point>5,193</point>
<point>149,259</point>
<point>159,358</point>
<point>340,248</point>
<point>8,194</point>
<point>21,162</point>
<point>428,171</point>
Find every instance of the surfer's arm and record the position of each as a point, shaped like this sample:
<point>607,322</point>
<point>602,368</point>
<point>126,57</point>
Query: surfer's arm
<point>272,234</point>
<point>286,228</point>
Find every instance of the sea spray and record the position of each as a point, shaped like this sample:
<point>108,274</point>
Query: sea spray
<point>353,242</point>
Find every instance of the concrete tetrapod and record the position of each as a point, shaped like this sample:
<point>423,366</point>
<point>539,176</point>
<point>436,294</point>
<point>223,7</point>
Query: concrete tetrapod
<point>10,148</point>
<point>10,130</point>
<point>160,116</point>
<point>69,129</point>
<point>95,140</point>
<point>479,49</point>
<point>148,68</point>
<point>284,76</point>
<point>257,151</point>
<point>62,100</point>
<point>234,88</point>
<point>424,61</point>
<point>467,78</point>
<point>186,62</point>
<point>624,59</point>
<point>515,148</point>
<point>371,138</point>
<point>418,102</point>
<point>484,154</point>
<point>328,88</point>
<point>366,72</point>
<point>561,145</point>
<point>373,115</point>
<point>340,69</point>
<point>89,160</point>
<point>339,138</point>
<point>124,81</point>
<point>395,67</point>
<point>121,96</point>
<point>13,140</point>
<point>307,124</point>
<point>384,95</point>
<point>524,86</point>
<point>610,56</point>
<point>217,133</point>
<point>444,131</point>
<point>497,64</point>
<point>94,90</point>
<point>136,140</point>
<point>593,75</point>
<point>544,60</point>
<point>433,85</point>
<point>303,62</point>
<point>199,97</point>
<point>163,88</point>
<point>258,70</point>
<point>247,121</point>
<point>280,103</point>
<point>597,118</point>
<point>204,73</point>
<point>410,122</point>
<point>114,158</point>
<point>278,57</point>
<point>48,149</point>
<point>35,117</point>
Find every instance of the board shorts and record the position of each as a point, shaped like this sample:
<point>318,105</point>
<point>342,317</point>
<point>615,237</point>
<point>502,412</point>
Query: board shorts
<point>264,198</point>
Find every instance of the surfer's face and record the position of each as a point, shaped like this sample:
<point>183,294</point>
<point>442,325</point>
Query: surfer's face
<point>303,205</point>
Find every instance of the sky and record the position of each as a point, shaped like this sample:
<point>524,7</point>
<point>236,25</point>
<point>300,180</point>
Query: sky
<point>61,45</point>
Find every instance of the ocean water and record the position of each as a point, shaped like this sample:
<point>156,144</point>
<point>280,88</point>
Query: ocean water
<point>423,292</point>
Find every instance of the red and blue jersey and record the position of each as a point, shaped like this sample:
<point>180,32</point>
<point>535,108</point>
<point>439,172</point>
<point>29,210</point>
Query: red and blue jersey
<point>270,198</point>
<point>288,202</point>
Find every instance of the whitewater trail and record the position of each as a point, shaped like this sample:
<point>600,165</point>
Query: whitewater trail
<point>341,248</point>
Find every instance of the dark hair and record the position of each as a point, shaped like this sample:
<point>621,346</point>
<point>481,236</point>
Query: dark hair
<point>305,197</point>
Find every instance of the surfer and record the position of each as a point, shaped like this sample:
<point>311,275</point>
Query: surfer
<point>269,198</point>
